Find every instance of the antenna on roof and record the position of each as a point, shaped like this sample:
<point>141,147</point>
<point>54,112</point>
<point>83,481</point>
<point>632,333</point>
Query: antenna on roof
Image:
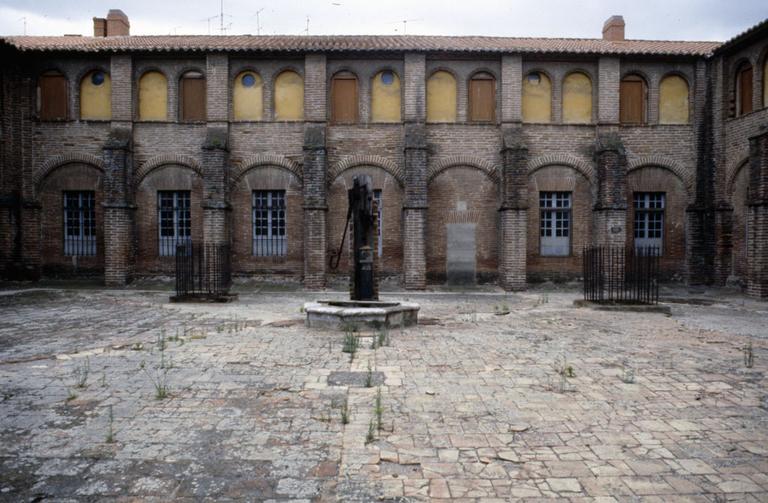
<point>25,24</point>
<point>306,31</point>
<point>258,23</point>
<point>405,24</point>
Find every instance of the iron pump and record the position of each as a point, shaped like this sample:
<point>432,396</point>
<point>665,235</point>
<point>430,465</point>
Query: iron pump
<point>363,220</point>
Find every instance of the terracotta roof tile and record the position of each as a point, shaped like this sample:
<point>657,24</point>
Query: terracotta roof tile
<point>359,43</point>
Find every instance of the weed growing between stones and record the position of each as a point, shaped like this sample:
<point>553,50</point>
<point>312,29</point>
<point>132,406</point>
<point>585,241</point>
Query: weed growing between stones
<point>627,373</point>
<point>501,309</point>
<point>80,374</point>
<point>71,395</point>
<point>371,435</point>
<point>160,378</point>
<point>383,337</point>
<point>351,344</point>
<point>111,432</point>
<point>749,356</point>
<point>160,340</point>
<point>543,299</point>
<point>378,410</point>
<point>345,412</point>
<point>369,377</point>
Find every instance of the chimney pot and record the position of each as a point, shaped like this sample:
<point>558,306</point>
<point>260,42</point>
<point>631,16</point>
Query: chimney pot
<point>613,29</point>
<point>99,27</point>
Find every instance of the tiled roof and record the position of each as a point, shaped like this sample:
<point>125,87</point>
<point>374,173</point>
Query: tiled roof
<point>745,35</point>
<point>359,43</point>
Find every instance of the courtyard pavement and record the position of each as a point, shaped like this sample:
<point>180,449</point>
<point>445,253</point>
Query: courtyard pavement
<point>117,394</point>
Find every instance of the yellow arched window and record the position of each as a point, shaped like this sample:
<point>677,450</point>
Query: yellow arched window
<point>96,96</point>
<point>441,97</point>
<point>289,97</point>
<point>673,100</point>
<point>153,97</point>
<point>537,98</point>
<point>247,101</point>
<point>385,97</point>
<point>577,99</point>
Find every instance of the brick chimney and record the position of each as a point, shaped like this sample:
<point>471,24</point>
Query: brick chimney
<point>114,25</point>
<point>613,29</point>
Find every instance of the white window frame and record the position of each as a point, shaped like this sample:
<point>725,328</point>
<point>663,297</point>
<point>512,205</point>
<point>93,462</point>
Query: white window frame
<point>79,209</point>
<point>555,223</point>
<point>180,220</point>
<point>650,208</point>
<point>269,223</point>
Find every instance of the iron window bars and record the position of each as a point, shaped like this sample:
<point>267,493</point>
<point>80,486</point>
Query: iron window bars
<point>79,223</point>
<point>269,237</point>
<point>555,224</point>
<point>174,219</point>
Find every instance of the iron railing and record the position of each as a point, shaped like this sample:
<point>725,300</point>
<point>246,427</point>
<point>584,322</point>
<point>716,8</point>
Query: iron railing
<point>622,275</point>
<point>202,270</point>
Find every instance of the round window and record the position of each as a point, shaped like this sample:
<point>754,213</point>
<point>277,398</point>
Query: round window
<point>387,78</point>
<point>534,79</point>
<point>97,78</point>
<point>249,80</point>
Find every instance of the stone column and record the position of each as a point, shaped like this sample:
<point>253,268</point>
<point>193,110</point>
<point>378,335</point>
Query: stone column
<point>610,211</point>
<point>513,210</point>
<point>415,208</point>
<point>757,202</point>
<point>118,173</point>
<point>315,206</point>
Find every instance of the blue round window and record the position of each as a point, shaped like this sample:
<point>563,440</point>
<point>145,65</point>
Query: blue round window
<point>249,80</point>
<point>387,78</point>
<point>97,78</point>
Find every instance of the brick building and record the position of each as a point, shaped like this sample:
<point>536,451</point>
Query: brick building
<point>494,159</point>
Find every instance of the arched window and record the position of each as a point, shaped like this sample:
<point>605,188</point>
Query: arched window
<point>344,98</point>
<point>289,97</point>
<point>744,89</point>
<point>192,97</point>
<point>247,103</point>
<point>441,97</point>
<point>632,99</point>
<point>153,97</point>
<point>96,96</point>
<point>385,97</point>
<point>577,99</point>
<point>482,97</point>
<point>53,96</point>
<point>537,98</point>
<point>673,100</point>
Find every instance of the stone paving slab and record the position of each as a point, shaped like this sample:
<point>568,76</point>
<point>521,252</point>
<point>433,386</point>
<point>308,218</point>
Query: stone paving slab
<point>119,394</point>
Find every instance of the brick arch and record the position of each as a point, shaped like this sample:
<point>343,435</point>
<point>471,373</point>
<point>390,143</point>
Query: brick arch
<point>686,176</point>
<point>161,160</point>
<point>57,161</point>
<point>569,160</point>
<point>490,170</point>
<point>264,160</point>
<point>732,171</point>
<point>376,161</point>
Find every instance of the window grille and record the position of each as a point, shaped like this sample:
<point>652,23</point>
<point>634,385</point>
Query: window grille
<point>649,219</point>
<point>555,226</point>
<point>269,238</point>
<point>79,223</point>
<point>379,222</point>
<point>174,219</point>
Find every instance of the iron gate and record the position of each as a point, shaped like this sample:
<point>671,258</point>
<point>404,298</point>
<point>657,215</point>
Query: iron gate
<point>624,275</point>
<point>202,271</point>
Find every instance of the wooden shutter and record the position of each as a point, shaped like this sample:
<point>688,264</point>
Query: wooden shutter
<point>344,100</point>
<point>192,99</point>
<point>482,100</point>
<point>53,97</point>
<point>632,102</point>
<point>745,91</point>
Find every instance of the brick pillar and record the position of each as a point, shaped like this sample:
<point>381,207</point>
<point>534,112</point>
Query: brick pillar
<point>610,211</point>
<point>118,212</point>
<point>757,202</point>
<point>315,206</point>
<point>608,82</point>
<point>513,210</point>
<point>215,205</point>
<point>415,208</point>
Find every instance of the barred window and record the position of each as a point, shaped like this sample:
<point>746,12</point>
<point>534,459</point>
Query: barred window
<point>379,221</point>
<point>79,223</point>
<point>173,214</point>
<point>269,239</point>
<point>555,226</point>
<point>649,219</point>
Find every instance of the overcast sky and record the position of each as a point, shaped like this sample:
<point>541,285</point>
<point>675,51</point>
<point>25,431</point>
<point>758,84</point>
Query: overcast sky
<point>645,19</point>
